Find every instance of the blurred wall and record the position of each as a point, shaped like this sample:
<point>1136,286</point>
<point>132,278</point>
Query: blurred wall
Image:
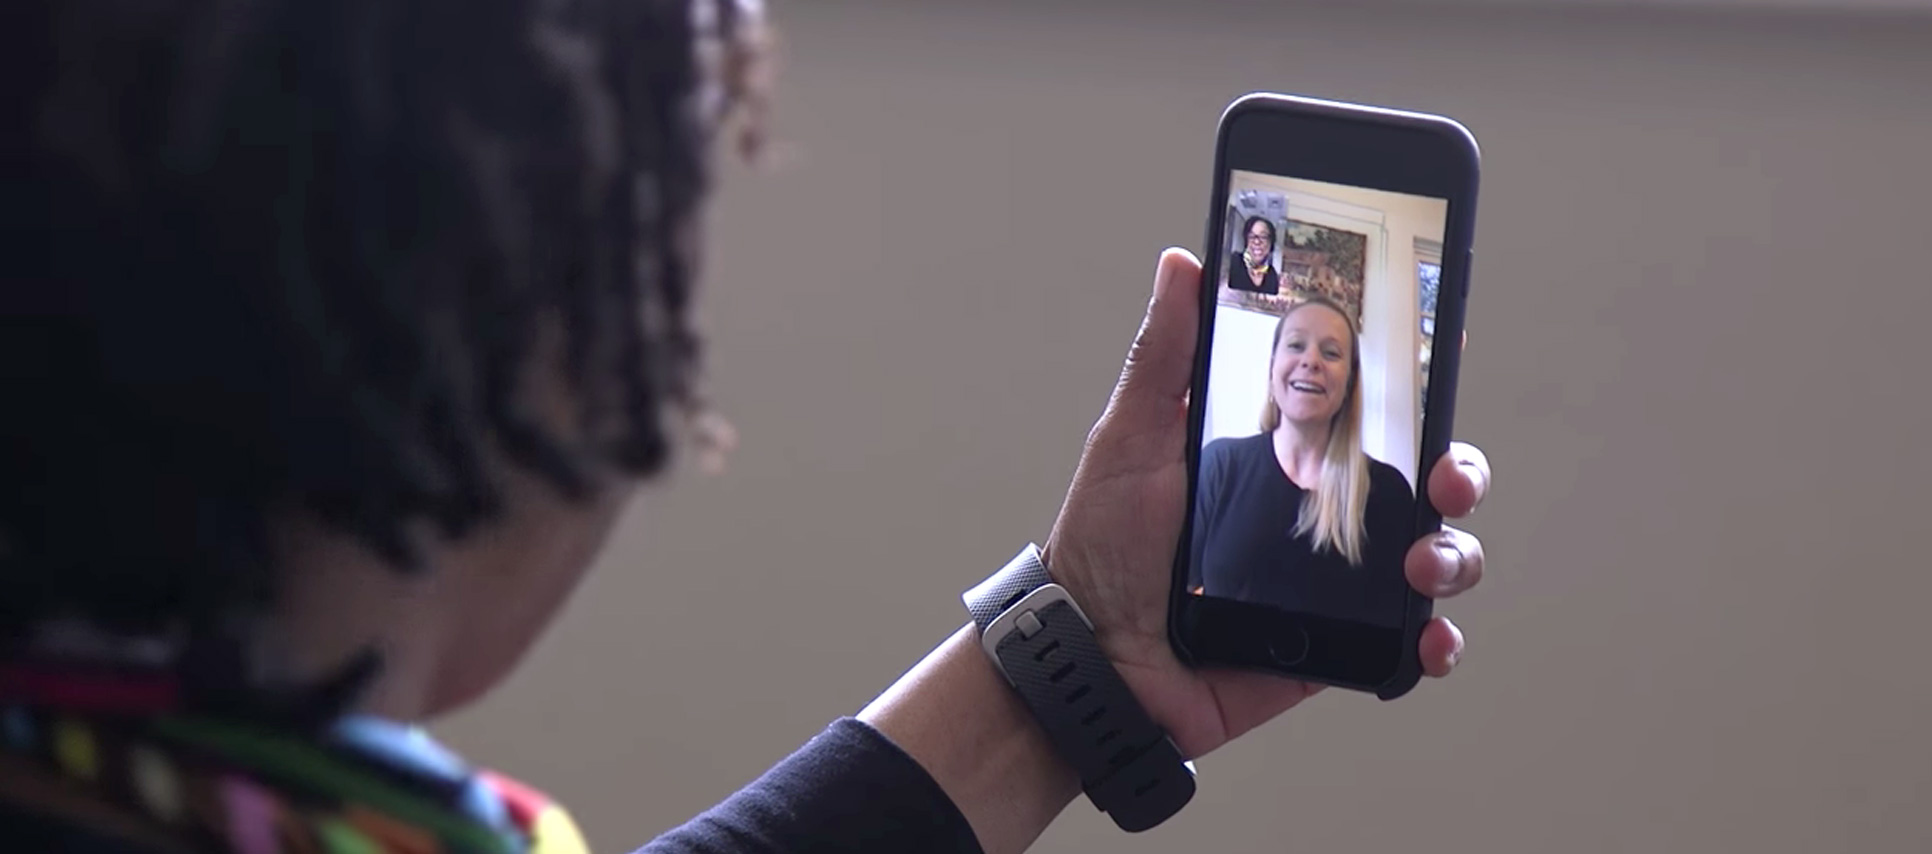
<point>1697,360</point>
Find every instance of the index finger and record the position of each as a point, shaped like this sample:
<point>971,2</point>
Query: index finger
<point>1459,481</point>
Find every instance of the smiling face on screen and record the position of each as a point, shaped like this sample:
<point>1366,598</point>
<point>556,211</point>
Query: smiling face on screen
<point>1311,375</point>
<point>1260,243</point>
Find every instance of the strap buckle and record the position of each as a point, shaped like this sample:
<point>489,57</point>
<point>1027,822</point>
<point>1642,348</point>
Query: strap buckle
<point>1023,617</point>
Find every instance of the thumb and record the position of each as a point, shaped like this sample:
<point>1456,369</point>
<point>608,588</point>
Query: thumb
<point>1160,365</point>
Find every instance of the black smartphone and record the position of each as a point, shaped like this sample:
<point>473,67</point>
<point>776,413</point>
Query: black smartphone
<point>1336,271</point>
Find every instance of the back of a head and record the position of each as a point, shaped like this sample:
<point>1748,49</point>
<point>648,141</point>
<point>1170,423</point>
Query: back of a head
<point>278,255</point>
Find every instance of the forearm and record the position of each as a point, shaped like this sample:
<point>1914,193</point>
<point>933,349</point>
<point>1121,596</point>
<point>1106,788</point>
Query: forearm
<point>958,718</point>
<point>848,789</point>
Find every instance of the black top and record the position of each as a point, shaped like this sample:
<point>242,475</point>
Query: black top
<point>1239,280</point>
<point>1244,544</point>
<point>850,789</point>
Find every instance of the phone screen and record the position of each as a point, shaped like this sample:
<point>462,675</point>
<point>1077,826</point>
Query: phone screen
<point>1317,381</point>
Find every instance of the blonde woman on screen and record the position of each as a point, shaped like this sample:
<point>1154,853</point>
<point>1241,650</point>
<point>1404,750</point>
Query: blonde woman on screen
<point>1299,516</point>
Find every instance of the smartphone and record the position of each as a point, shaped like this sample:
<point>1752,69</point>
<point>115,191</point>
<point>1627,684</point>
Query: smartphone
<point>1336,271</point>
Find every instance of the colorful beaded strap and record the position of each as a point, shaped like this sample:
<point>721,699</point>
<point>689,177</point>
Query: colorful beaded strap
<point>360,786</point>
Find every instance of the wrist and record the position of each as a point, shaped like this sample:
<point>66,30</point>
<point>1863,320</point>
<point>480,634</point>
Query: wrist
<point>1043,645</point>
<point>955,715</point>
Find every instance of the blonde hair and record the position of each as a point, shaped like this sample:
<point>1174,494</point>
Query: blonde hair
<point>1333,511</point>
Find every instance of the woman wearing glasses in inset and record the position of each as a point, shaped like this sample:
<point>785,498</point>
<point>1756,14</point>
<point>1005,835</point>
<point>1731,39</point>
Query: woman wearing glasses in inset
<point>1253,269</point>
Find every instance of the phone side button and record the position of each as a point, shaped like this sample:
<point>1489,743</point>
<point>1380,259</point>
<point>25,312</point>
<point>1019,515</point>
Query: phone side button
<point>1468,271</point>
<point>1288,647</point>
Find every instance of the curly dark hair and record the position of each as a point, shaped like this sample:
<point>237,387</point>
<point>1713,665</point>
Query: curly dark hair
<point>272,254</point>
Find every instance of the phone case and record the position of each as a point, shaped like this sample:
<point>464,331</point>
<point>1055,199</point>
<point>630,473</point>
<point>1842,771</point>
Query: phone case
<point>1445,363</point>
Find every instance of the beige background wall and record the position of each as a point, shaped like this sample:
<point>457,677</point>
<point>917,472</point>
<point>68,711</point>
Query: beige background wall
<point>1697,359</point>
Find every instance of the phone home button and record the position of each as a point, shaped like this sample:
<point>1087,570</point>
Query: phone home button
<point>1289,646</point>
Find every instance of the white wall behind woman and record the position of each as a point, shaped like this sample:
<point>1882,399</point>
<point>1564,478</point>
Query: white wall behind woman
<point>1237,372</point>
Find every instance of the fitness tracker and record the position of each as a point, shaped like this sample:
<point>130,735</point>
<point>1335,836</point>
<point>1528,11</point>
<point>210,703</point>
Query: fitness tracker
<point>1044,646</point>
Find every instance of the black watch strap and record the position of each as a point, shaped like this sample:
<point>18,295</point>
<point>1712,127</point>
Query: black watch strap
<point>1045,647</point>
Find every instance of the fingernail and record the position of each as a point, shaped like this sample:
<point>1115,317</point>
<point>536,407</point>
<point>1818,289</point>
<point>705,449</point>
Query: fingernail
<point>1476,474</point>
<point>1449,552</point>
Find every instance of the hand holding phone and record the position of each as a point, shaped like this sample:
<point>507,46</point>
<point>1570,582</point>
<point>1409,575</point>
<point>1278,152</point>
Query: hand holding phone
<point>1112,543</point>
<point>1340,243</point>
